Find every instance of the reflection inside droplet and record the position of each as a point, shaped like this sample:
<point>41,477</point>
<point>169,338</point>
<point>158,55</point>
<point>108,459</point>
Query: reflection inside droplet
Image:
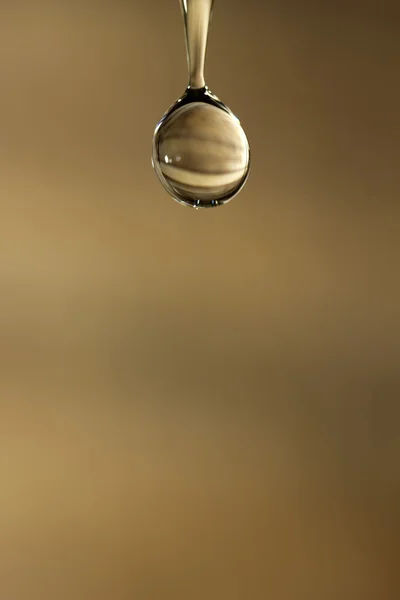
<point>201,154</point>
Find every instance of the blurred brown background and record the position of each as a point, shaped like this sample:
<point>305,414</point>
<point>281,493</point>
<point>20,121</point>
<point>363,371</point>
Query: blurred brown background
<point>199,405</point>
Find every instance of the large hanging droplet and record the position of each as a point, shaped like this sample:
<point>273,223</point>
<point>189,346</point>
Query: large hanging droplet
<point>200,151</point>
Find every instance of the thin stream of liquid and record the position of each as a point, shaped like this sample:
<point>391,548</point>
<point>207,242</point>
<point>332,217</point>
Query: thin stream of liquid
<point>200,152</point>
<point>196,17</point>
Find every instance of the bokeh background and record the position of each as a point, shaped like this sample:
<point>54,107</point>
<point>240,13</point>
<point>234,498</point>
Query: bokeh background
<point>199,405</point>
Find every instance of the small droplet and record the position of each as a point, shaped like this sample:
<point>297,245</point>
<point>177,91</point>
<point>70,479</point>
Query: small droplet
<point>200,151</point>
<point>211,149</point>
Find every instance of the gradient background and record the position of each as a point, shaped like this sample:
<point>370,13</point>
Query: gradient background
<point>199,405</point>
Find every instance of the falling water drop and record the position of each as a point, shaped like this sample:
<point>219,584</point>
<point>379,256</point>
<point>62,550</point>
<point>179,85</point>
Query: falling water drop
<point>200,151</point>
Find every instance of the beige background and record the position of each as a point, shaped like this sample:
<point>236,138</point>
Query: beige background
<point>199,405</point>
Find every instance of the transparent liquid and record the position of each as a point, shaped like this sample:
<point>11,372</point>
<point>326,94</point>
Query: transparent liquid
<point>200,151</point>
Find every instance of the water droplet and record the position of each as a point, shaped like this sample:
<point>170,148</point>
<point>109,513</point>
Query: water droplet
<point>200,151</point>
